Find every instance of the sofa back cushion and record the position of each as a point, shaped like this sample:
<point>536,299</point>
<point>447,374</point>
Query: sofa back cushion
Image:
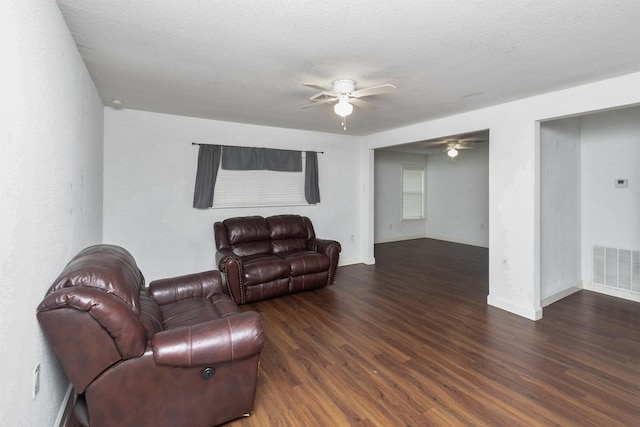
<point>150,314</point>
<point>106,267</point>
<point>91,313</point>
<point>255,235</point>
<point>104,281</point>
<point>289,232</point>
<point>248,235</point>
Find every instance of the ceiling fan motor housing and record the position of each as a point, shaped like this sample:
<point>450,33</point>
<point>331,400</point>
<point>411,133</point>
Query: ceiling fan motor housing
<point>344,86</point>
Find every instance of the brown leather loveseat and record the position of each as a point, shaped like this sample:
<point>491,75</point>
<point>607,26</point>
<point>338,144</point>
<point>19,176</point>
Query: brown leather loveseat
<point>178,353</point>
<point>268,257</point>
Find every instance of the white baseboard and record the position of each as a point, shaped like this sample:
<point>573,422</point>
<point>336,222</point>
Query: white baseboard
<point>60,419</point>
<point>462,242</point>
<point>613,292</point>
<point>343,262</point>
<point>561,294</point>
<point>400,238</point>
<point>531,313</point>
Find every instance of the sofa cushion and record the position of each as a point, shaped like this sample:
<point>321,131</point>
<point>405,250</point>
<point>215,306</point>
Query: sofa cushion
<point>253,248</point>
<point>288,233</point>
<point>308,281</point>
<point>305,262</point>
<point>286,227</point>
<point>248,235</point>
<point>261,291</point>
<point>264,268</point>
<point>188,312</point>
<point>288,245</point>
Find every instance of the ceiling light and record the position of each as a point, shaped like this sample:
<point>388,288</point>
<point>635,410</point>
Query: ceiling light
<point>452,152</point>
<point>343,108</point>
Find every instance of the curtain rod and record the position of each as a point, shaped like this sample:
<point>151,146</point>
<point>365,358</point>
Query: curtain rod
<point>202,143</point>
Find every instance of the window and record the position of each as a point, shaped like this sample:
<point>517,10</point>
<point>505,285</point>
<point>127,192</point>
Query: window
<point>412,192</point>
<point>295,183</point>
<point>246,188</point>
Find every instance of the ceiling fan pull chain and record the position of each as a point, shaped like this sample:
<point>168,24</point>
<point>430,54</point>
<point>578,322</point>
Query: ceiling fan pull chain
<point>344,122</point>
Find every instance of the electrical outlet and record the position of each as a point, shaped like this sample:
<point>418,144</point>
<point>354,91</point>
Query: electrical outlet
<point>36,380</point>
<point>621,183</point>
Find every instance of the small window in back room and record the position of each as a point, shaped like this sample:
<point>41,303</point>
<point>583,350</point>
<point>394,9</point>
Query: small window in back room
<point>412,192</point>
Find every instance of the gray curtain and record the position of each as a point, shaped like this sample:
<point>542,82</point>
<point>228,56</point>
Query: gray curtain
<point>283,160</point>
<point>311,189</point>
<point>208,164</point>
<point>250,158</point>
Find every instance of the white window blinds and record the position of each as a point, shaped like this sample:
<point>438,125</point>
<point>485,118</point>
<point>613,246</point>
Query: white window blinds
<point>246,188</point>
<point>412,192</point>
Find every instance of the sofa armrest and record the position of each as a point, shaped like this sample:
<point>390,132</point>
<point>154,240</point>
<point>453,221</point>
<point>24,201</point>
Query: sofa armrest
<point>200,285</point>
<point>324,246</point>
<point>231,265</point>
<point>330,248</point>
<point>223,256</point>
<point>210,343</point>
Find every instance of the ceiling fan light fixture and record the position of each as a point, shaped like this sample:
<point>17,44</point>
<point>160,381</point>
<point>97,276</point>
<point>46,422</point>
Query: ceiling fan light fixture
<point>452,152</point>
<point>343,108</point>
<point>344,94</point>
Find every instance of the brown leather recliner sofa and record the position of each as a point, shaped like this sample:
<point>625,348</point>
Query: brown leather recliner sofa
<point>178,353</point>
<point>267,257</point>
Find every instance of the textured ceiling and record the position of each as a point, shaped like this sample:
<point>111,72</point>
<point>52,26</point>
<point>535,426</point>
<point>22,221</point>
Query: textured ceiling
<point>246,61</point>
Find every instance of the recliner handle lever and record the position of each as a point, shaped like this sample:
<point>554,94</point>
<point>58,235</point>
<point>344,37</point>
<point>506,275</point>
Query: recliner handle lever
<point>208,373</point>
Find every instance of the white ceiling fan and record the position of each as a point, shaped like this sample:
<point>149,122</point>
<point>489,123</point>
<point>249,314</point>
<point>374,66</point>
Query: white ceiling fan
<point>455,145</point>
<point>344,94</point>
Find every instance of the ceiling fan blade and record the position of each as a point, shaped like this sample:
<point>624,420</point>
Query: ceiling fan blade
<point>321,102</point>
<point>432,144</point>
<point>466,144</point>
<point>375,90</point>
<point>315,86</point>
<point>362,104</point>
<point>431,151</point>
<point>457,147</point>
<point>323,96</point>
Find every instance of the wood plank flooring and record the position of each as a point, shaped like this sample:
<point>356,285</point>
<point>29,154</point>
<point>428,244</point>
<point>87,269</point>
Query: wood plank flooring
<point>410,341</point>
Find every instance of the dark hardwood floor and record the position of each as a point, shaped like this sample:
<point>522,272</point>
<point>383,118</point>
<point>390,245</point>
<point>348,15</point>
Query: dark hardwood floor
<point>410,341</point>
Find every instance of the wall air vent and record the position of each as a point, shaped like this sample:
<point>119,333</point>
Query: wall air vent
<point>617,268</point>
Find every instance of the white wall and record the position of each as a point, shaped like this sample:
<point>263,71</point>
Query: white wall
<point>514,217</point>
<point>610,216</point>
<point>458,196</point>
<point>560,209</point>
<point>150,168</point>
<point>50,193</point>
<point>389,225</point>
